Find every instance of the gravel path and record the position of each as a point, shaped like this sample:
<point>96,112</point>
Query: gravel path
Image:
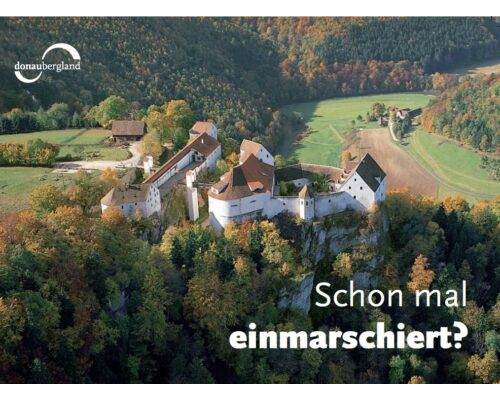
<point>103,164</point>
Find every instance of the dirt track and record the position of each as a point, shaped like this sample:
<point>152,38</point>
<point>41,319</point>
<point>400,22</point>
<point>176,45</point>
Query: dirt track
<point>402,170</point>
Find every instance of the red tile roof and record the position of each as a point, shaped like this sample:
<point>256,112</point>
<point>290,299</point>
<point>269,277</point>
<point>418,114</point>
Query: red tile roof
<point>249,147</point>
<point>201,127</point>
<point>204,144</point>
<point>249,178</point>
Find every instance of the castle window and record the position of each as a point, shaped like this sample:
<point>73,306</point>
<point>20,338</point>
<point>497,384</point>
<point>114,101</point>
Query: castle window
<point>354,196</point>
<point>361,188</point>
<point>253,201</point>
<point>355,179</point>
<point>135,203</point>
<point>329,200</point>
<point>307,203</point>
<point>349,188</point>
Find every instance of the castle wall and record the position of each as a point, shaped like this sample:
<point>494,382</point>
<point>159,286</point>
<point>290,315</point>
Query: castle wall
<point>332,203</point>
<point>278,204</point>
<point>380,193</point>
<point>153,202</point>
<point>184,162</point>
<point>232,210</point>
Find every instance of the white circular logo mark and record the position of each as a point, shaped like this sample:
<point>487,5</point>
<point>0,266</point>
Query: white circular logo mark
<point>70,49</point>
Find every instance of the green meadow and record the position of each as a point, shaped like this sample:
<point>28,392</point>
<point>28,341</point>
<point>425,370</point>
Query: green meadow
<point>84,144</point>
<point>16,183</point>
<point>456,168</point>
<point>329,120</point>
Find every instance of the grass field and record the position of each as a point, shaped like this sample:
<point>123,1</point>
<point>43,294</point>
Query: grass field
<point>83,143</point>
<point>329,120</point>
<point>456,168</point>
<point>427,165</point>
<point>16,183</point>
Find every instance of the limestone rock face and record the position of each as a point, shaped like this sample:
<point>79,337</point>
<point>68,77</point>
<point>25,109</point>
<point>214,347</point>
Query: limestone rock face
<point>298,297</point>
<point>319,240</point>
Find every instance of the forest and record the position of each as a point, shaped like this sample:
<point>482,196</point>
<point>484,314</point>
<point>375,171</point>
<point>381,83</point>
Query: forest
<point>83,298</point>
<point>236,71</point>
<point>91,297</point>
<point>467,112</point>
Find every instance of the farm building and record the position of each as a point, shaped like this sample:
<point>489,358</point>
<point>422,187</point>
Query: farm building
<point>127,130</point>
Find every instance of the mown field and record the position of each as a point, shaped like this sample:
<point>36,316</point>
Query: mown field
<point>402,169</point>
<point>329,120</point>
<point>84,144</point>
<point>427,164</point>
<point>456,168</point>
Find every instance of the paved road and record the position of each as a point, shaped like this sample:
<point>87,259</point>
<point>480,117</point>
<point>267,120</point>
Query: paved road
<point>103,164</point>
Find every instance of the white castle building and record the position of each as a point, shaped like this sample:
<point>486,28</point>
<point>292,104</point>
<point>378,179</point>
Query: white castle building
<point>201,153</point>
<point>251,190</point>
<point>129,198</point>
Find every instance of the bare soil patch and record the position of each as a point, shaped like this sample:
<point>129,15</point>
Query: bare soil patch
<point>403,171</point>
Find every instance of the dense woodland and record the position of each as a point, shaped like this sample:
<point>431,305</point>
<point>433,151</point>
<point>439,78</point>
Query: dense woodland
<point>468,112</point>
<point>235,71</point>
<point>83,298</point>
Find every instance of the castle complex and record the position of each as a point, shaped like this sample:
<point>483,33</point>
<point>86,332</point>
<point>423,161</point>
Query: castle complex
<point>254,188</point>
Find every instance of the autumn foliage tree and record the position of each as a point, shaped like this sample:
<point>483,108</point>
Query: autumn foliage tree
<point>421,276</point>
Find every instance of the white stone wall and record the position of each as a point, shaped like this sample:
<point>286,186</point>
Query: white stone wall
<point>192,200</point>
<point>380,193</point>
<point>264,156</point>
<point>333,203</point>
<point>153,201</point>
<point>148,164</point>
<point>224,211</point>
<point>212,159</point>
<point>278,204</point>
<point>359,190</point>
<point>306,209</point>
<point>147,208</point>
<point>213,131</point>
<point>184,162</point>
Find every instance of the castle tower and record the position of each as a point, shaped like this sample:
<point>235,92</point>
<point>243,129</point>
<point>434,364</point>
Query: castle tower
<point>192,196</point>
<point>148,165</point>
<point>306,204</point>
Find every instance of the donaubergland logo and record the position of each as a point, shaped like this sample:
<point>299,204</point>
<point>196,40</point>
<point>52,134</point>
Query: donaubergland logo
<point>62,66</point>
